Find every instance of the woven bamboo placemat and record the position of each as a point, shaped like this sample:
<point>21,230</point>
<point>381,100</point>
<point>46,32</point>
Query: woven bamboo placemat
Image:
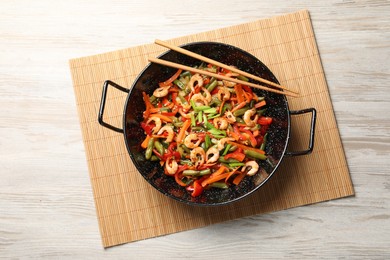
<point>129,209</point>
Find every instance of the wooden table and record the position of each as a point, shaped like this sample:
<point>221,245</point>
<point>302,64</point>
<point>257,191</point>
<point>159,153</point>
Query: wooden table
<point>46,204</point>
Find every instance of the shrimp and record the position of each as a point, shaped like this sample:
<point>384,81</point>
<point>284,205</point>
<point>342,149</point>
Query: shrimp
<point>189,141</point>
<point>223,93</point>
<point>248,117</point>
<point>207,95</point>
<point>161,91</point>
<point>221,143</point>
<point>171,166</point>
<point>230,117</point>
<point>253,167</point>
<point>195,78</point>
<point>228,84</point>
<point>197,156</point>
<point>169,129</point>
<point>214,152</point>
<point>157,121</point>
<point>220,123</point>
<point>183,114</point>
<point>199,98</point>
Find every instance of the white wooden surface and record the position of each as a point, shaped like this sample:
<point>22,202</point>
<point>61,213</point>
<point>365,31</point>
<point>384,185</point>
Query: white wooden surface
<point>46,204</point>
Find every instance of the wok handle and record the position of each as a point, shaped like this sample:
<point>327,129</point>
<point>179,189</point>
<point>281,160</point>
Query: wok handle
<point>312,131</point>
<point>106,84</point>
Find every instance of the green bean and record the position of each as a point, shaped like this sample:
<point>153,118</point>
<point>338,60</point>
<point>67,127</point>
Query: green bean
<point>212,85</point>
<point>188,162</point>
<point>152,98</point>
<point>220,185</point>
<point>210,110</point>
<point>236,164</point>
<point>154,158</point>
<point>226,149</point>
<point>262,147</point>
<point>212,116</point>
<point>255,155</point>
<point>243,78</point>
<point>240,120</point>
<point>252,103</point>
<point>215,101</point>
<point>226,106</point>
<point>230,160</point>
<point>204,172</point>
<point>193,121</point>
<point>185,74</point>
<point>261,111</point>
<point>190,172</point>
<point>197,129</point>
<point>200,117</point>
<point>200,108</point>
<point>149,149</point>
<point>207,141</point>
<point>185,148</point>
<point>240,111</point>
<point>179,84</point>
<point>159,147</point>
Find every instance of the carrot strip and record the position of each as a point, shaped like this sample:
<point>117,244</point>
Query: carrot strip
<point>240,105</point>
<point>260,104</point>
<point>239,178</point>
<point>171,79</point>
<point>216,176</point>
<point>231,174</point>
<point>183,129</point>
<point>239,93</point>
<point>244,147</point>
<point>148,105</point>
<point>165,118</point>
<point>144,144</point>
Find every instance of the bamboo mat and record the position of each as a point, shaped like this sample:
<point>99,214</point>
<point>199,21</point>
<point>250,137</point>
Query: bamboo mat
<point>129,209</point>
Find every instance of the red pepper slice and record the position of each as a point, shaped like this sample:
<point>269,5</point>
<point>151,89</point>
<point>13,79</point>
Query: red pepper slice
<point>147,128</point>
<point>237,154</point>
<point>196,188</point>
<point>252,138</point>
<point>265,120</point>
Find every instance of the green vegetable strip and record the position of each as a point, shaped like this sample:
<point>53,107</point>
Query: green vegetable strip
<point>149,149</point>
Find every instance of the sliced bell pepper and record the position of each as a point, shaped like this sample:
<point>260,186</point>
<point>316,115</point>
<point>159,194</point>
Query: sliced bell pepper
<point>237,154</point>
<point>196,188</point>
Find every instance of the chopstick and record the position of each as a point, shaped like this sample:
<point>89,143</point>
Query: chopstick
<point>221,77</point>
<point>219,64</point>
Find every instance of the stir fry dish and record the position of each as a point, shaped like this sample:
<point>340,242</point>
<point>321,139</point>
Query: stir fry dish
<point>205,133</point>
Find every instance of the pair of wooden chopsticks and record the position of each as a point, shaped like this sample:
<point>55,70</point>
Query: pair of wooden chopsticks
<point>287,92</point>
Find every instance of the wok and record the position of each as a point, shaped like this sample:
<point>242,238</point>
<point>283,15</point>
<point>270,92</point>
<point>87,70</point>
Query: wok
<point>148,79</point>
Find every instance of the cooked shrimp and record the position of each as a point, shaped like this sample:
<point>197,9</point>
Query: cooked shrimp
<point>199,98</point>
<point>248,117</point>
<point>228,84</point>
<point>197,156</point>
<point>207,95</point>
<point>169,130</point>
<point>183,114</point>
<point>192,141</point>
<point>195,78</point>
<point>157,121</point>
<point>230,117</point>
<point>253,167</point>
<point>223,94</point>
<point>161,91</point>
<point>212,154</point>
<point>221,143</point>
<point>171,166</point>
<point>220,123</point>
